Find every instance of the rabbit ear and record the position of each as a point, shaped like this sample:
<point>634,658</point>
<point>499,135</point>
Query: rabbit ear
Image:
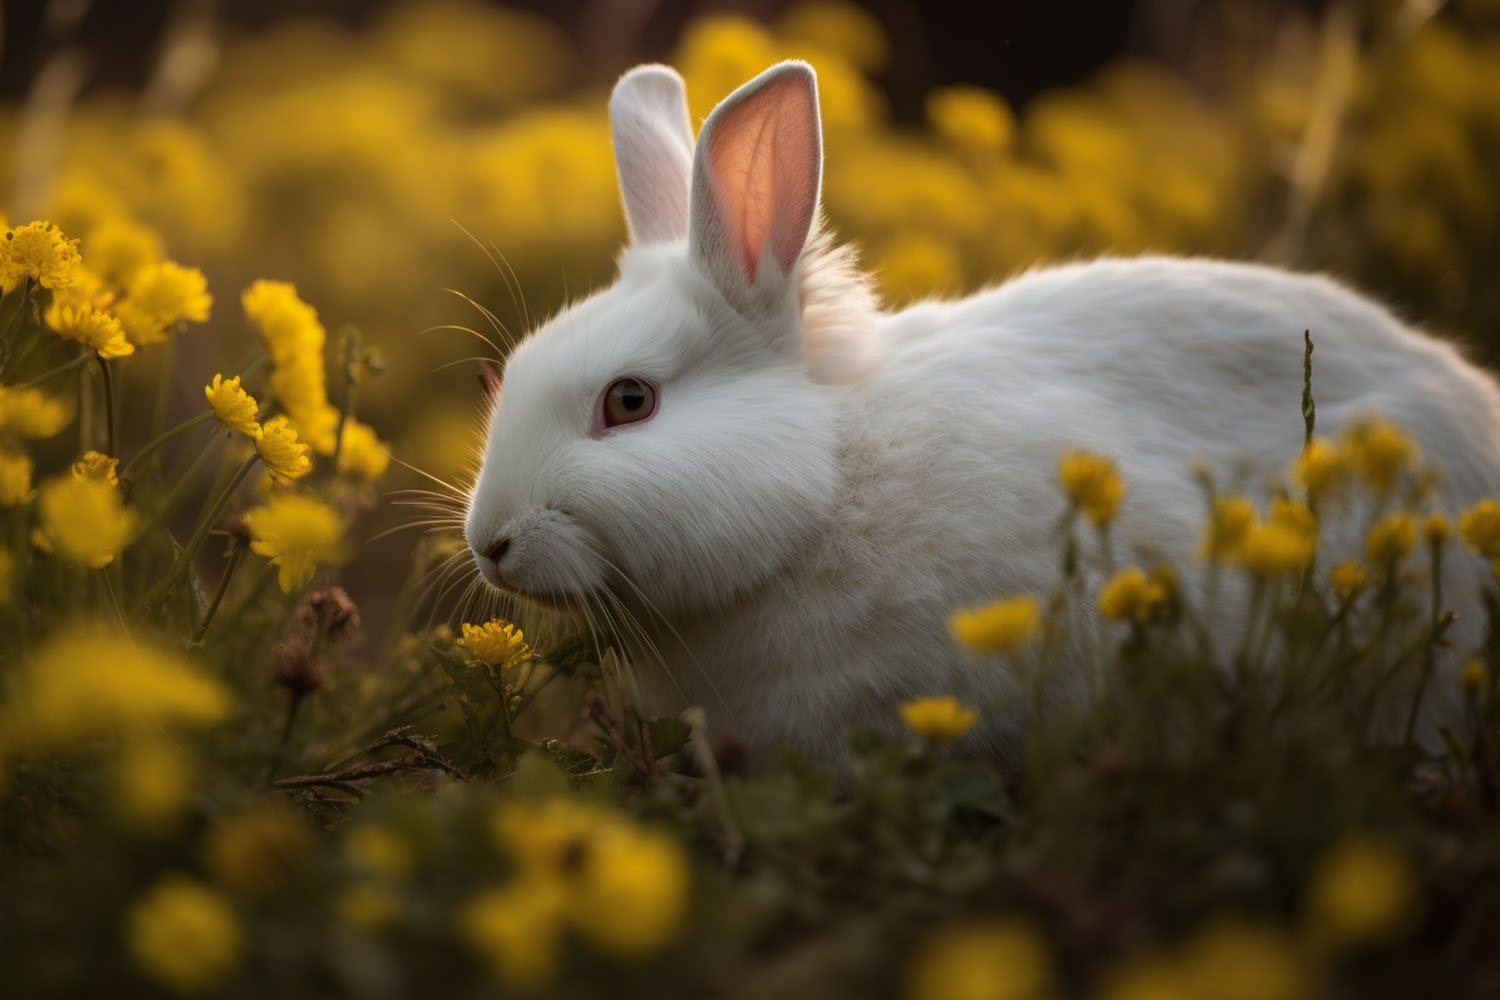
<point>756,175</point>
<point>653,141</point>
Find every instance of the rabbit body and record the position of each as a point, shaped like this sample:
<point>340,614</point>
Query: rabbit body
<point>822,484</point>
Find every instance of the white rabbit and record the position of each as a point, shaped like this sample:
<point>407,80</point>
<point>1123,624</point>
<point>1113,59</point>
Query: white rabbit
<point>790,490</point>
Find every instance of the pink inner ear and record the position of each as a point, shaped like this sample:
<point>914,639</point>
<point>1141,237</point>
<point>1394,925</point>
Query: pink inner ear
<point>764,158</point>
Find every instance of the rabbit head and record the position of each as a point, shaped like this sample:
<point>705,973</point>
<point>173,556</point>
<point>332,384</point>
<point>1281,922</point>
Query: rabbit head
<point>676,432</point>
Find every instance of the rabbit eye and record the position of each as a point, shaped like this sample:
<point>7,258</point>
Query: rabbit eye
<point>628,401</point>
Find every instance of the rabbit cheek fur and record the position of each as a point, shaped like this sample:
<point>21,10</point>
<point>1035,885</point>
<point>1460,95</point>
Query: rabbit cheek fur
<point>823,483</point>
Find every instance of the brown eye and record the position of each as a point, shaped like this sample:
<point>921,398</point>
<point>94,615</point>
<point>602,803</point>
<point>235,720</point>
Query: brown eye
<point>628,401</point>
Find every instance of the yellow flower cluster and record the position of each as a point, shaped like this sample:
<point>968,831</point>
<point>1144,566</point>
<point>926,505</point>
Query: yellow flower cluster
<point>983,960</point>
<point>621,888</point>
<point>82,520</point>
<point>497,643</point>
<point>15,478</point>
<point>160,296</point>
<point>1132,596</point>
<point>297,533</point>
<point>1391,540</point>
<point>184,935</point>
<point>96,466</point>
<point>362,455</point>
<point>294,339</point>
<point>91,682</point>
<point>1092,485</point>
<point>30,413</point>
<point>1379,452</point>
<point>234,407</point>
<point>1361,892</point>
<point>285,455</point>
<point>38,251</point>
<point>1002,626</point>
<point>939,720</point>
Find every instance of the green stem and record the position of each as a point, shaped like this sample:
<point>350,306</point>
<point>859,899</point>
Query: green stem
<point>66,366</point>
<point>235,558</point>
<point>163,438</point>
<point>1429,657</point>
<point>190,551</point>
<point>109,406</point>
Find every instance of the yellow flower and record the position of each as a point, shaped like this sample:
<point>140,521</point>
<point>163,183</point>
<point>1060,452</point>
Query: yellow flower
<point>1472,677</point>
<point>97,466</point>
<point>1362,891</point>
<point>288,325</point>
<point>1437,529</point>
<point>90,326</point>
<point>1224,532</point>
<point>1347,580</point>
<point>82,521</point>
<point>31,413</point>
<point>1479,526</point>
<point>517,930</point>
<point>362,455</point>
<point>1130,596</point>
<point>154,782</point>
<point>1092,484</point>
<point>119,247</point>
<point>971,117</point>
<point>1236,960</point>
<point>184,935</point>
<point>39,251</point>
<point>234,407</point>
<point>15,478</point>
<point>629,893</point>
<point>1293,515</point>
<point>1319,469</point>
<point>1378,451</point>
<point>982,960</point>
<point>7,583</point>
<point>1275,549</point>
<point>1001,626</point>
<point>296,533</point>
<point>91,682</point>
<point>941,720</point>
<point>160,296</point>
<point>286,457</point>
<point>256,848</point>
<point>377,850</point>
<point>497,643</point>
<point>1391,539</point>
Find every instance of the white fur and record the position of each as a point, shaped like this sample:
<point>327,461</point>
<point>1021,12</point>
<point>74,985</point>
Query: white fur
<point>823,483</point>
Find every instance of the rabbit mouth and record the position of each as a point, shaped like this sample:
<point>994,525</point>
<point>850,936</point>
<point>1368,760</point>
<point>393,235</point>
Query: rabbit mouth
<point>549,600</point>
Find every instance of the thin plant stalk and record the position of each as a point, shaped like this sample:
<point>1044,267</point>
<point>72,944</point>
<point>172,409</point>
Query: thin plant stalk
<point>109,406</point>
<point>63,368</point>
<point>167,435</point>
<point>236,555</point>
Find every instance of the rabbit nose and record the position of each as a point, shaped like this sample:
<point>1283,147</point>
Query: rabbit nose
<point>496,552</point>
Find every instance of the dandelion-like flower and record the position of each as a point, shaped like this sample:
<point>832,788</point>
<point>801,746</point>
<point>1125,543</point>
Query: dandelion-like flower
<point>496,643</point>
<point>235,408</point>
<point>1092,484</point>
<point>1275,549</point>
<point>30,413</point>
<point>160,296</point>
<point>1379,452</point>
<point>39,251</point>
<point>90,682</point>
<point>92,327</point>
<point>1361,892</point>
<point>1391,539</point>
<point>82,521</point>
<point>629,894</point>
<point>939,720</point>
<point>1320,469</point>
<point>971,117</point>
<point>1437,530</point>
<point>184,934</point>
<point>1001,626</point>
<point>1479,527</point>
<point>517,930</point>
<point>1229,521</point>
<point>362,455</point>
<point>287,325</point>
<point>296,533</point>
<point>285,456</point>
<point>15,478</point>
<point>1348,580</point>
<point>97,466</point>
<point>1130,596</point>
<point>119,248</point>
<point>989,959</point>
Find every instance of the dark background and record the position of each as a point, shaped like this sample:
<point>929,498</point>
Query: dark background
<point>1018,47</point>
